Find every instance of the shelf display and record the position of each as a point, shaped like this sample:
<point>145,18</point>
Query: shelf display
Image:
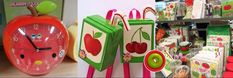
<point>36,44</point>
<point>14,8</point>
<point>73,42</point>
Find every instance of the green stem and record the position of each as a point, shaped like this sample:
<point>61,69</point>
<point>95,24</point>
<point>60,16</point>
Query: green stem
<point>135,33</point>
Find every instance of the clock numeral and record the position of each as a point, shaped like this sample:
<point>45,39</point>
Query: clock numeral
<point>36,26</point>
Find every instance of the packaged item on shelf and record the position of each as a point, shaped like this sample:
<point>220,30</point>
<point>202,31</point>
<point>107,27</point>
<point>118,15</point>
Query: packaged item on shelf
<point>139,39</point>
<point>189,9</point>
<point>213,8</point>
<point>202,66</point>
<point>182,72</point>
<point>160,7</point>
<point>14,8</point>
<point>36,44</point>
<point>180,10</point>
<point>182,31</point>
<point>217,37</point>
<point>198,11</point>
<point>73,42</point>
<point>170,11</point>
<point>170,45</point>
<point>167,69</point>
<point>99,41</point>
<point>227,8</point>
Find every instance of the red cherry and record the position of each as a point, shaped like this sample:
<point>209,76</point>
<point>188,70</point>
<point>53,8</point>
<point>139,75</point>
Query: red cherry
<point>203,76</point>
<point>227,7</point>
<point>171,6</point>
<point>140,48</point>
<point>219,39</point>
<point>130,47</point>
<point>92,45</point>
<point>205,65</point>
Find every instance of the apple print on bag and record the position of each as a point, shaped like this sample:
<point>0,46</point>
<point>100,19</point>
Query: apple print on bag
<point>99,42</point>
<point>138,40</point>
<point>92,44</point>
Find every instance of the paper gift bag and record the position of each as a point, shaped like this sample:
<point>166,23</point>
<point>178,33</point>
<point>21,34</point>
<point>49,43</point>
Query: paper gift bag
<point>99,42</point>
<point>138,40</point>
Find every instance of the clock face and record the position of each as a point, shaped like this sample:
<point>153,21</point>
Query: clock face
<point>37,48</point>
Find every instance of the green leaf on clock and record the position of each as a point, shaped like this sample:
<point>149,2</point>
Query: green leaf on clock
<point>145,35</point>
<point>97,35</point>
<point>46,7</point>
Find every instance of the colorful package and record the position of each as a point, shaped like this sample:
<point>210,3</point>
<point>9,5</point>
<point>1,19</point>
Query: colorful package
<point>202,66</point>
<point>227,8</point>
<point>182,31</point>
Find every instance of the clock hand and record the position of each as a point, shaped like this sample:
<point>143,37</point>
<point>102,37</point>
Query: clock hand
<point>31,42</point>
<point>48,48</point>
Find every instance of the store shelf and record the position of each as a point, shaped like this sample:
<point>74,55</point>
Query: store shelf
<point>67,68</point>
<point>197,20</point>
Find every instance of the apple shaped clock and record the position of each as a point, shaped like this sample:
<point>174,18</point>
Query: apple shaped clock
<point>37,43</point>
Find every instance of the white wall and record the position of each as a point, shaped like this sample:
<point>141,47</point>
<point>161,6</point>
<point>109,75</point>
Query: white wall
<point>70,11</point>
<point>100,7</point>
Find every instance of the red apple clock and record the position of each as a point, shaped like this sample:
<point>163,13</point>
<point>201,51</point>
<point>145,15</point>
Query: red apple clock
<point>37,43</point>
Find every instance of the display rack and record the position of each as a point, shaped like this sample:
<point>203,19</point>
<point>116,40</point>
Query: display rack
<point>204,20</point>
<point>67,68</point>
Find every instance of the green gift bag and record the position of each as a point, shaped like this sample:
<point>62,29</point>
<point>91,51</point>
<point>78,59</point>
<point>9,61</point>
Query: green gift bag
<point>99,41</point>
<point>137,41</point>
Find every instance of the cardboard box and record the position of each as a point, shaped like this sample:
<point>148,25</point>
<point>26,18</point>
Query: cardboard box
<point>15,8</point>
<point>99,42</point>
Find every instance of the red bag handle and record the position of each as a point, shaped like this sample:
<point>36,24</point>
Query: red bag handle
<point>131,15</point>
<point>148,9</point>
